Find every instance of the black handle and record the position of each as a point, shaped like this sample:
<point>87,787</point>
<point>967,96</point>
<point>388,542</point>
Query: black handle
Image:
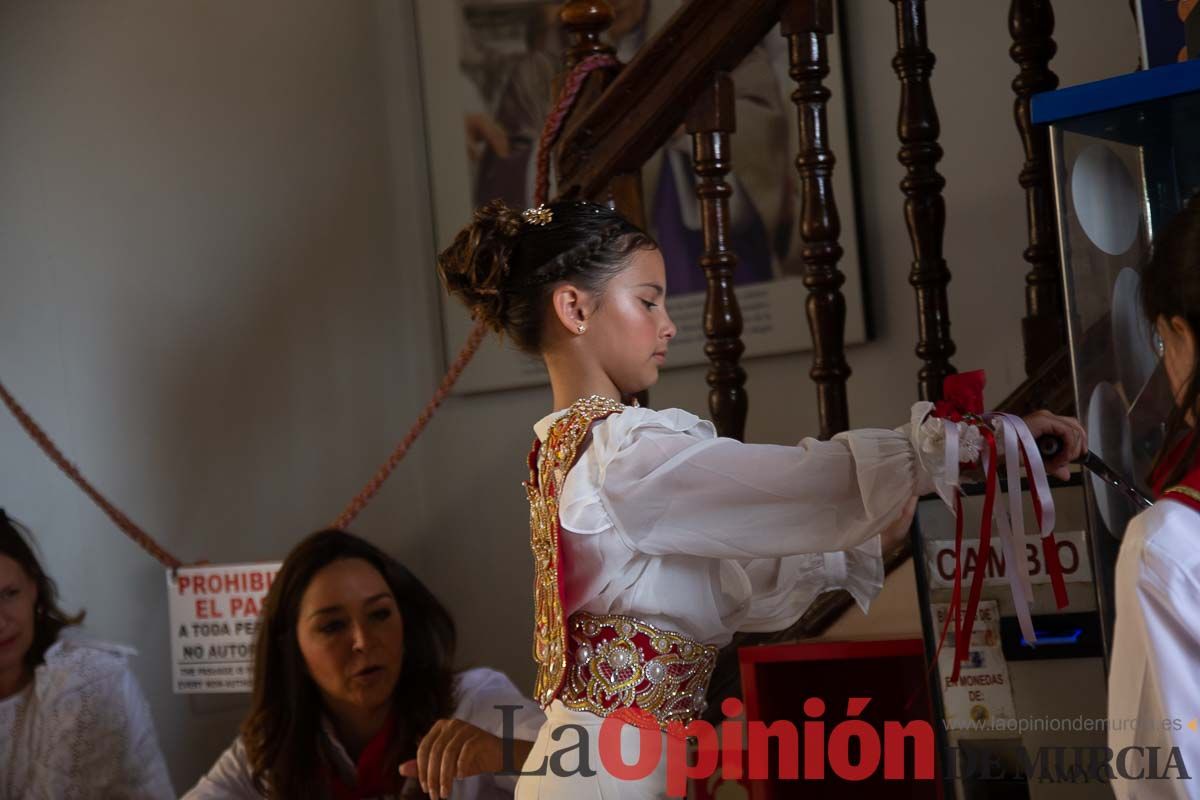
<point>1049,446</point>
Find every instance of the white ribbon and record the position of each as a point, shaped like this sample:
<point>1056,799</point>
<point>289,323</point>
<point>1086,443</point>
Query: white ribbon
<point>1019,439</point>
<point>950,438</point>
<point>1014,559</point>
<point>1037,477</point>
<point>1016,517</point>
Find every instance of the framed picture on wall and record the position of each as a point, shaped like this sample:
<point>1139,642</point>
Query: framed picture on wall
<point>488,67</point>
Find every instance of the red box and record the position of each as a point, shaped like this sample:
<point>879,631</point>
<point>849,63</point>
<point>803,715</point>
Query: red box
<point>778,679</point>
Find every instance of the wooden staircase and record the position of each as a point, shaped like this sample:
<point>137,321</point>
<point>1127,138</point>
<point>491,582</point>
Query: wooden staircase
<point>681,76</point>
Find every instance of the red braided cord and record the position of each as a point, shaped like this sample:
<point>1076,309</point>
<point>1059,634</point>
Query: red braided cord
<point>128,526</point>
<point>550,132</point>
<point>360,501</point>
<point>554,121</point>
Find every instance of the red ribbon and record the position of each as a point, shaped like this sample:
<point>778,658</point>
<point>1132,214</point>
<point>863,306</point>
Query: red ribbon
<point>964,626</point>
<point>962,397</point>
<point>1049,545</point>
<point>956,592</point>
<point>963,642</point>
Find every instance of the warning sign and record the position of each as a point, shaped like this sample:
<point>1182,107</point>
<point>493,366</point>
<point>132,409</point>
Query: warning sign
<point>214,615</point>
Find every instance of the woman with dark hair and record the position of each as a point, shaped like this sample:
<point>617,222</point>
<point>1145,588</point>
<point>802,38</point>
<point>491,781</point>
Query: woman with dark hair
<point>73,722</point>
<point>353,679</point>
<point>1154,680</point>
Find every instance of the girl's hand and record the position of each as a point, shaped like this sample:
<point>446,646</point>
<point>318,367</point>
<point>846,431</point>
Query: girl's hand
<point>1074,439</point>
<point>457,749</point>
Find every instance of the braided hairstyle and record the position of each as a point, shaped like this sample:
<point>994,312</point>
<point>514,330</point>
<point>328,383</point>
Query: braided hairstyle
<point>505,269</point>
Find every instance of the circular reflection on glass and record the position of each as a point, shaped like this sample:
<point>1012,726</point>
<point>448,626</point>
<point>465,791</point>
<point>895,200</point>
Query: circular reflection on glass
<point>1106,199</point>
<point>1109,438</point>
<point>1135,354</point>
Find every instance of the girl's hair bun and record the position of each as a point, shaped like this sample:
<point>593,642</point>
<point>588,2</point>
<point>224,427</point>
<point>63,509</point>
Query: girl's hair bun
<point>475,267</point>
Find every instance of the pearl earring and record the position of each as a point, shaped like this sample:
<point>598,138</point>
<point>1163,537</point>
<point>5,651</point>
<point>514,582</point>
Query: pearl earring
<point>581,328</point>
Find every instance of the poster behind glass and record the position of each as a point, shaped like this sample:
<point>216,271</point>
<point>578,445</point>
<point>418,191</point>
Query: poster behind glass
<point>489,69</point>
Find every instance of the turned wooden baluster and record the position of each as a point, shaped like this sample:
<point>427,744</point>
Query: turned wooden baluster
<point>924,208</point>
<point>1031,23</point>
<point>710,122</point>
<point>806,24</point>
<point>585,21</point>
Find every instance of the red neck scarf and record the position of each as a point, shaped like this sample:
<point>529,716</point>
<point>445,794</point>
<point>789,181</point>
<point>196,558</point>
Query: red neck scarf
<point>1187,489</point>
<point>372,776</point>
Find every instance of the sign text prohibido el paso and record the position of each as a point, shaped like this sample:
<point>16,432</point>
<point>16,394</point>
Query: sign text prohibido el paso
<point>214,616</point>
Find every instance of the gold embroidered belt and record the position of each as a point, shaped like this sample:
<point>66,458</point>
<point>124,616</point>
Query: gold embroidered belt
<point>616,662</point>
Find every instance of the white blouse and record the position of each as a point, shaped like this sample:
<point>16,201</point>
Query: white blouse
<point>1154,678</point>
<point>81,728</point>
<point>480,692</point>
<point>667,522</point>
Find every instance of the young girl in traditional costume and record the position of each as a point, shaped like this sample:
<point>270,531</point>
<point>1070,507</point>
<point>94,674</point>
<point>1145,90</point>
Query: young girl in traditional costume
<point>1154,680</point>
<point>654,539</point>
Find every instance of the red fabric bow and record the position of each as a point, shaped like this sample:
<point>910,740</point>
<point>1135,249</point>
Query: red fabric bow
<point>962,395</point>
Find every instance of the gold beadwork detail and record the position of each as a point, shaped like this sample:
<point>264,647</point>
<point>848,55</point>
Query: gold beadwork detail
<point>555,458</point>
<point>1186,491</point>
<point>620,662</point>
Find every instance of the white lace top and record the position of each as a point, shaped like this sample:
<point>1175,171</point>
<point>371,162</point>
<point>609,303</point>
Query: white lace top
<point>81,728</point>
<point>706,536</point>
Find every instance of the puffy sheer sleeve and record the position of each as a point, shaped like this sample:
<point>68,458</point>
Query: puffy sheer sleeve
<point>669,485</point>
<point>779,590</point>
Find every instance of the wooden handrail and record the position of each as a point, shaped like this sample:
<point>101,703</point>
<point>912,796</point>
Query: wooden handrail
<point>654,92</point>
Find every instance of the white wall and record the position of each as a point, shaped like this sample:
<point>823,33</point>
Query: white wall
<point>206,295</point>
<point>216,253</point>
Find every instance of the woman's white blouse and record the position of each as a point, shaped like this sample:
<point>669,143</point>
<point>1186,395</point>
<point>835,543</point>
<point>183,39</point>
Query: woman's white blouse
<point>1154,679</point>
<point>81,728</point>
<point>481,693</point>
<point>667,522</point>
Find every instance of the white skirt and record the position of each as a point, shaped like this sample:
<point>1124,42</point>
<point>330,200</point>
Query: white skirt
<point>554,738</point>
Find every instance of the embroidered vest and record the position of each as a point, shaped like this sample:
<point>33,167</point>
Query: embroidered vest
<point>548,467</point>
